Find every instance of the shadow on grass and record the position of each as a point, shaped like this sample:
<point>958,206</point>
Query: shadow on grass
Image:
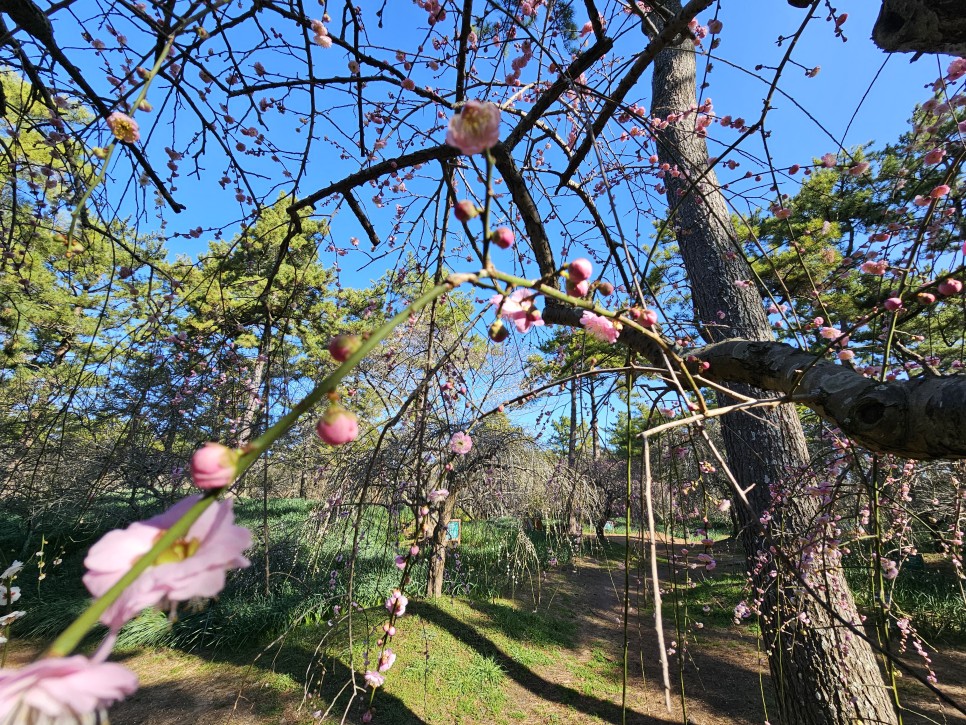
<point>525,677</point>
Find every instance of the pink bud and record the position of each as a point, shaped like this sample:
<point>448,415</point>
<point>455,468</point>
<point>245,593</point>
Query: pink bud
<point>580,270</point>
<point>578,289</point>
<point>893,303</point>
<point>503,237</point>
<point>950,287</point>
<point>714,26</point>
<point>342,347</point>
<point>925,298</point>
<point>648,318</point>
<point>466,210</point>
<point>213,466</point>
<point>337,426</point>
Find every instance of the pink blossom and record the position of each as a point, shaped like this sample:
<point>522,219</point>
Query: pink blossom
<point>829,160</point>
<point>342,347</point>
<point>123,127</point>
<point>374,679</point>
<point>194,567</point>
<point>830,333</point>
<point>503,237</point>
<point>62,689</point>
<point>892,304</point>
<point>940,191</point>
<point>578,289</point>
<point>715,26</point>
<point>724,504</point>
<point>859,168</point>
<point>461,443</point>
<point>845,355</point>
<point>213,466</point>
<point>386,659</point>
<point>925,298</point>
<point>519,308</point>
<point>337,426</point>
<point>396,603</point>
<point>648,318</point>
<point>475,128</point>
<point>871,267</point>
<point>783,213</point>
<point>440,494</point>
<point>599,327</point>
<point>934,157</point>
<point>580,270</point>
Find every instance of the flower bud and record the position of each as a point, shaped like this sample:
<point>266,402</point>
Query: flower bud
<point>578,289</point>
<point>213,466</point>
<point>893,303</point>
<point>648,318</point>
<point>503,237</point>
<point>341,347</point>
<point>950,287</point>
<point>498,331</point>
<point>606,289</point>
<point>580,270</point>
<point>466,210</point>
<point>337,426</point>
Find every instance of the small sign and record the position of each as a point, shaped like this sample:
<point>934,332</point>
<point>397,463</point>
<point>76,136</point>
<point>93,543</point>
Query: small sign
<point>453,531</point>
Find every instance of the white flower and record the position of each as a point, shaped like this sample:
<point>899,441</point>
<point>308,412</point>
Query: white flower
<point>12,570</point>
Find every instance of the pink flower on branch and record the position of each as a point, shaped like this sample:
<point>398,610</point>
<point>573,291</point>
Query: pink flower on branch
<point>194,567</point>
<point>599,327</point>
<point>475,128</point>
<point>396,603</point>
<point>123,127</point>
<point>461,444</point>
<point>62,689</point>
<point>519,308</point>
<point>337,426</point>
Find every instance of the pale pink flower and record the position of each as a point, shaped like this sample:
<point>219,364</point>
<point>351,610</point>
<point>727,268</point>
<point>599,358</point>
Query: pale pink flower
<point>599,327</point>
<point>213,466</point>
<point>194,567</point>
<point>62,689</point>
<point>440,494</point>
<point>872,267</point>
<point>724,504</point>
<point>386,659</point>
<point>461,443</point>
<point>475,128</point>
<point>845,355</point>
<point>940,191</point>
<point>337,426</point>
<point>830,333</point>
<point>123,127</point>
<point>374,679</point>
<point>892,304</point>
<point>829,160</point>
<point>648,318</point>
<point>519,308</point>
<point>396,603</point>
<point>934,157</point>
<point>578,289</point>
<point>859,168</point>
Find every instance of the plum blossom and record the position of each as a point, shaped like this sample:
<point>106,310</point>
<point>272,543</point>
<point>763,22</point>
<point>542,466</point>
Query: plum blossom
<point>374,679</point>
<point>193,567</point>
<point>9,596</point>
<point>600,327</point>
<point>396,603</point>
<point>461,444</point>
<point>476,128</point>
<point>440,494</point>
<point>580,270</point>
<point>123,127</point>
<point>12,570</point>
<point>875,267</point>
<point>950,287</point>
<point>386,659</point>
<point>62,689</point>
<point>519,308</point>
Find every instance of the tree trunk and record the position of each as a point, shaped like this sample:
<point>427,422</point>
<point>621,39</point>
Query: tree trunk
<point>437,547</point>
<point>921,26</point>
<point>822,673</point>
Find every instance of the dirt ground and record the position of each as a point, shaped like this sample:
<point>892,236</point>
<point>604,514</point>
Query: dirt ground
<point>725,680</point>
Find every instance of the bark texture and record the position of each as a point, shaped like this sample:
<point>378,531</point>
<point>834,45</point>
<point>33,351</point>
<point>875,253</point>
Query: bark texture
<point>921,26</point>
<point>822,673</point>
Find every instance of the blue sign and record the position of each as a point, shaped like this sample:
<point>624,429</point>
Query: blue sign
<point>453,531</point>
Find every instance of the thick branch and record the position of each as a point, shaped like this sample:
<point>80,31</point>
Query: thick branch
<point>921,26</point>
<point>923,418</point>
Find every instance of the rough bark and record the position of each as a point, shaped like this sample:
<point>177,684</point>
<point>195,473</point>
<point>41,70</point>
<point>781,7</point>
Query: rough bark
<point>921,26</point>
<point>822,673</point>
<point>437,548</point>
